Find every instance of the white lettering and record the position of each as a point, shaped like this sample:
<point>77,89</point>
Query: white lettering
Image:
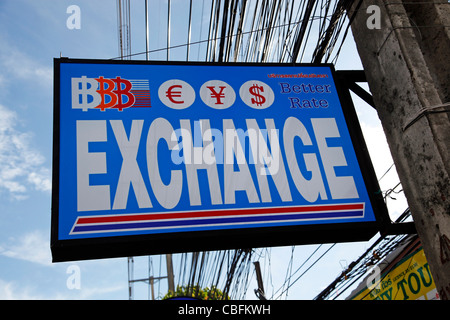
<point>236,180</point>
<point>195,310</point>
<point>167,195</point>
<point>129,173</point>
<point>340,187</point>
<point>312,188</point>
<point>245,309</point>
<point>96,197</point>
<point>268,162</point>
<point>204,148</point>
<point>200,153</point>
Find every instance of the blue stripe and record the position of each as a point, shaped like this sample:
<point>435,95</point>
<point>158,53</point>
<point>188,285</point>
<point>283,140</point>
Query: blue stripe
<point>225,221</point>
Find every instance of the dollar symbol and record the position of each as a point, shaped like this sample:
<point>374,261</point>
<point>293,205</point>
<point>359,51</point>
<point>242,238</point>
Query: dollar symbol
<point>82,89</point>
<point>123,92</point>
<point>255,91</point>
<point>108,91</point>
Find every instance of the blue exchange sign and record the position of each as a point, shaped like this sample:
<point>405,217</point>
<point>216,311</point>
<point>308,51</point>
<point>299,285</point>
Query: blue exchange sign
<point>187,150</point>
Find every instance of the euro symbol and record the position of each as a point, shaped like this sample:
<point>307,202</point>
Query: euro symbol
<point>171,94</point>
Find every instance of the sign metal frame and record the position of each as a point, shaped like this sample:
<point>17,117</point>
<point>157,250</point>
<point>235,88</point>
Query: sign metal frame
<point>161,243</point>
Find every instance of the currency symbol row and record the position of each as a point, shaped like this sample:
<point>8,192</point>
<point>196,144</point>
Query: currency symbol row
<point>118,93</point>
<point>217,94</point>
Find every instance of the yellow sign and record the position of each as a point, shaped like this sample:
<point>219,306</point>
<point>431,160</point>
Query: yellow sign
<point>410,280</point>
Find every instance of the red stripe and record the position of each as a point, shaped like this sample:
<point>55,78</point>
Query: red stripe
<point>147,92</point>
<point>215,213</point>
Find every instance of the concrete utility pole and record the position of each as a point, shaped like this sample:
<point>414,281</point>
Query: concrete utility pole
<point>170,278</point>
<point>406,58</point>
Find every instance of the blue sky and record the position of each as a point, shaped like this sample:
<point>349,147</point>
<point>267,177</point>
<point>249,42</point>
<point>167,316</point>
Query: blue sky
<point>32,33</point>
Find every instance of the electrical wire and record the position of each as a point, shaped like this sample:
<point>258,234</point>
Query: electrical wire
<point>255,31</point>
<point>252,51</point>
<point>383,246</point>
<point>298,278</point>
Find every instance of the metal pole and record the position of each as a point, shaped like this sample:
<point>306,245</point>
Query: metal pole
<point>189,31</point>
<point>152,287</point>
<point>168,29</point>
<point>146,29</point>
<point>119,26</point>
<point>260,291</point>
<point>170,279</point>
<point>130,278</point>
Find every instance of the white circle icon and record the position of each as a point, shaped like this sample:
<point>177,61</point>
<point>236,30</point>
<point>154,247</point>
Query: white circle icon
<point>217,94</point>
<point>176,94</point>
<point>256,94</point>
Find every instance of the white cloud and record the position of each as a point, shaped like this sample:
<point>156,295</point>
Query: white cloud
<point>41,179</point>
<point>12,290</point>
<point>9,290</point>
<point>97,293</point>
<point>21,166</point>
<point>17,66</point>
<point>33,247</point>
